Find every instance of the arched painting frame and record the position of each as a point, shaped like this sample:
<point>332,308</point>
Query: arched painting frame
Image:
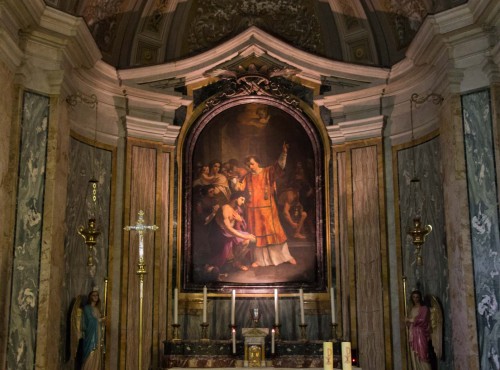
<point>240,127</point>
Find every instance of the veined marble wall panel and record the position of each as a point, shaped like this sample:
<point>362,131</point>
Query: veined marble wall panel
<point>432,277</point>
<point>85,162</point>
<point>367,244</point>
<point>28,232</point>
<point>143,183</point>
<point>483,208</point>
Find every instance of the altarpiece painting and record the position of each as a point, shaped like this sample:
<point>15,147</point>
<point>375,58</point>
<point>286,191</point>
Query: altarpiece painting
<point>253,199</point>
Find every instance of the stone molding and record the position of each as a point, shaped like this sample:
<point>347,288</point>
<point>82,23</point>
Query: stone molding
<point>142,128</point>
<point>366,128</point>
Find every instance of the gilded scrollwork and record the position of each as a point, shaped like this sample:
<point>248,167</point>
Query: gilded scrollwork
<point>252,81</point>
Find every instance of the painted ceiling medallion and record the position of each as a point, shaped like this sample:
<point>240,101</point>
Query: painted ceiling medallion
<point>217,20</point>
<point>252,80</point>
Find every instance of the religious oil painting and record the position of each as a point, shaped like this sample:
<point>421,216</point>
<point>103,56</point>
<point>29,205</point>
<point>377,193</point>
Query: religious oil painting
<point>253,201</point>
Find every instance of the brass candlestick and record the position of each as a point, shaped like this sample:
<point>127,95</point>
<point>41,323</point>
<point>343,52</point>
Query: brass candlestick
<point>303,332</point>
<point>175,333</point>
<point>204,332</point>
<point>334,326</point>
<point>276,328</point>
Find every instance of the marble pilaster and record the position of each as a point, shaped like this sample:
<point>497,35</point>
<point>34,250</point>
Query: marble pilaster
<point>484,218</point>
<point>50,312</point>
<point>26,277</point>
<point>457,227</point>
<point>9,142</point>
<point>148,187</point>
<point>368,250</point>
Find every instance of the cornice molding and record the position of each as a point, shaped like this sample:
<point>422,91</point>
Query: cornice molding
<point>368,96</point>
<point>356,130</point>
<point>10,53</point>
<point>78,45</point>
<point>141,128</point>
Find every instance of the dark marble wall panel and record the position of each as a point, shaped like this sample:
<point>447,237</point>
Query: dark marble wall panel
<point>483,207</point>
<point>219,318</point>
<point>85,162</point>
<point>28,232</point>
<point>432,276</point>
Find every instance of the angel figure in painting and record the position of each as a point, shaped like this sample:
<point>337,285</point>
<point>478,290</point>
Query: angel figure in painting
<point>86,325</point>
<point>425,326</point>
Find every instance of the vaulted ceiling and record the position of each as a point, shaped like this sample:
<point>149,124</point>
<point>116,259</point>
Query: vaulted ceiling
<point>134,33</point>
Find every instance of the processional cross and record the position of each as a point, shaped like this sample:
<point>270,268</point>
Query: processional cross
<point>141,269</point>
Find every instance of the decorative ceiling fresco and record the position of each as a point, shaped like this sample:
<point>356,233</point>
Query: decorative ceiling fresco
<point>134,33</point>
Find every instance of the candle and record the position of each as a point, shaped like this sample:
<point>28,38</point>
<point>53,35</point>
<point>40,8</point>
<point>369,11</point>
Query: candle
<point>276,308</point>
<point>301,297</point>
<point>346,356</point>
<point>176,306</point>
<point>328,355</point>
<point>233,335</point>
<point>205,303</point>
<point>332,303</point>
<point>272,340</point>
<point>233,307</point>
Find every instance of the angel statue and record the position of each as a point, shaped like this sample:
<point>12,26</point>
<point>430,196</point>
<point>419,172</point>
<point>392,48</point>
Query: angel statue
<point>424,325</point>
<point>86,332</point>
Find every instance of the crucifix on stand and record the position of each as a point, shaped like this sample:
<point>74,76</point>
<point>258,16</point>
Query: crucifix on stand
<point>141,269</point>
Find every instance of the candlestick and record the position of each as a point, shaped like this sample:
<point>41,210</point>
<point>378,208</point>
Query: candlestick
<point>205,304</point>
<point>233,307</point>
<point>276,308</point>
<point>332,303</point>
<point>272,340</point>
<point>233,336</point>
<point>333,327</point>
<point>301,298</point>
<point>303,332</point>
<point>175,333</point>
<point>176,306</point>
<point>204,332</point>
